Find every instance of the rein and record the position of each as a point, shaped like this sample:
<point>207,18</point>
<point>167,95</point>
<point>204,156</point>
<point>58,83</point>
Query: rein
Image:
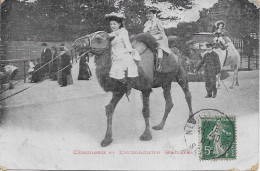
<point>89,43</point>
<point>144,51</point>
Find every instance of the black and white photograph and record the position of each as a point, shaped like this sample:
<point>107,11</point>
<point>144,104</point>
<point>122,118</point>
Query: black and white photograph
<point>129,85</point>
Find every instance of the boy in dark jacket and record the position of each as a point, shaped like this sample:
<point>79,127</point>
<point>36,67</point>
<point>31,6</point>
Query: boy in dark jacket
<point>211,69</point>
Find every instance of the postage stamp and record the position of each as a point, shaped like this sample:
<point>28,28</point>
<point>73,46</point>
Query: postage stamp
<point>213,137</point>
<point>217,138</point>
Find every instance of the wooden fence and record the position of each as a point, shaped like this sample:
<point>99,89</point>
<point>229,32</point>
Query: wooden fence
<point>247,61</point>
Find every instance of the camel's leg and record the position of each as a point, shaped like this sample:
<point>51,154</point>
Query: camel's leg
<point>109,112</point>
<point>218,79</point>
<point>183,82</point>
<point>168,106</point>
<point>235,68</point>
<point>146,136</point>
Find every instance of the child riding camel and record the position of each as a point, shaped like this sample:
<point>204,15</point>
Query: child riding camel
<point>221,38</point>
<point>154,27</point>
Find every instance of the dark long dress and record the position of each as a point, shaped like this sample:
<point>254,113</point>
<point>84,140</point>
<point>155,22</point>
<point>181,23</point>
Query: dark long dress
<point>54,67</point>
<point>45,58</point>
<point>37,74</point>
<point>66,68</point>
<point>84,70</point>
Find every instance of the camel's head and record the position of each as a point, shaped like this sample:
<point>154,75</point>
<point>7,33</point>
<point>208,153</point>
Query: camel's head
<point>100,41</point>
<point>95,43</point>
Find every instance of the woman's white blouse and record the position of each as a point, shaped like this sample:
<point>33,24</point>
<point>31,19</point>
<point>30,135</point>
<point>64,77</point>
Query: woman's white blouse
<point>121,43</point>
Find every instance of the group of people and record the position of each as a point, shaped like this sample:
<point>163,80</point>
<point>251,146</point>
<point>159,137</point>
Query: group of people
<point>124,56</point>
<point>210,60</point>
<point>54,63</point>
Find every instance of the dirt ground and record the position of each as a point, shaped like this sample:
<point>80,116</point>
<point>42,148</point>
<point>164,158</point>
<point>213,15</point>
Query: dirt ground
<point>45,127</point>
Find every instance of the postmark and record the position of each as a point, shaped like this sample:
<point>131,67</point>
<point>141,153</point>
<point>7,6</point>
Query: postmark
<point>213,137</point>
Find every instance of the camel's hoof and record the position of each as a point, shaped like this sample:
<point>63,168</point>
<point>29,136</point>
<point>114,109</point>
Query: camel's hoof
<point>237,84</point>
<point>218,85</point>
<point>158,127</point>
<point>192,120</point>
<point>106,142</point>
<point>146,135</point>
<point>231,87</point>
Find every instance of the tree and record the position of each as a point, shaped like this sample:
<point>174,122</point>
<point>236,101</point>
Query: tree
<point>185,31</point>
<point>57,20</point>
<point>241,17</point>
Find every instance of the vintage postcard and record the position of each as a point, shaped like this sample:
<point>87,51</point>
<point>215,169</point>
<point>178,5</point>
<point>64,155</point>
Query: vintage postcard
<point>129,85</point>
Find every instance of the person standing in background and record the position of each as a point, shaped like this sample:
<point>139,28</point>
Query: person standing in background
<point>84,70</point>
<point>46,57</point>
<point>65,67</point>
<point>54,64</point>
<point>212,67</point>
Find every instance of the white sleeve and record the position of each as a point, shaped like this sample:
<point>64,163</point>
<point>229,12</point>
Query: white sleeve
<point>126,40</point>
<point>146,27</point>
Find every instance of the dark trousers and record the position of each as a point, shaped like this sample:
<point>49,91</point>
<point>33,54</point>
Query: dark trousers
<point>210,82</point>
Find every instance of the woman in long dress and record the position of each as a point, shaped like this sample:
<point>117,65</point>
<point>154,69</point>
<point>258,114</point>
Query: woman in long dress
<point>123,64</point>
<point>84,70</point>
<point>54,64</point>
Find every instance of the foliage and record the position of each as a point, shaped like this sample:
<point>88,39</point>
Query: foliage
<point>59,20</point>
<point>184,33</point>
<point>241,17</point>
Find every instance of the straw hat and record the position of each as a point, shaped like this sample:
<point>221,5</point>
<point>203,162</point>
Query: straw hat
<point>220,22</point>
<point>153,9</point>
<point>115,15</point>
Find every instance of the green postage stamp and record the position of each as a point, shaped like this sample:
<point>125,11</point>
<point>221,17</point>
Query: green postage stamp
<point>217,138</point>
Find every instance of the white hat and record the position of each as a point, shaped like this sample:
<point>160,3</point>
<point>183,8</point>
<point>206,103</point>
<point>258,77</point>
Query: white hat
<point>220,22</point>
<point>117,15</point>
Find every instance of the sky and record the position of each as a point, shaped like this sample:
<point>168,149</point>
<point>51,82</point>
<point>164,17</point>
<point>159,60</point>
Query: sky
<point>184,15</point>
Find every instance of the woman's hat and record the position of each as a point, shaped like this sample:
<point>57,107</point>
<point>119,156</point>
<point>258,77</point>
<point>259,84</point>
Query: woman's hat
<point>115,15</point>
<point>152,9</point>
<point>220,22</point>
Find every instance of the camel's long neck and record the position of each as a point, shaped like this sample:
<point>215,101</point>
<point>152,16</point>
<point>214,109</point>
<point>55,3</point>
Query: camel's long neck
<point>103,66</point>
<point>103,61</point>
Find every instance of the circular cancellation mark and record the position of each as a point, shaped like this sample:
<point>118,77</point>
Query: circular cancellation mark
<point>213,137</point>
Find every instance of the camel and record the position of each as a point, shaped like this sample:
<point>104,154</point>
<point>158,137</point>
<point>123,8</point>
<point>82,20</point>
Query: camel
<point>228,57</point>
<point>98,43</point>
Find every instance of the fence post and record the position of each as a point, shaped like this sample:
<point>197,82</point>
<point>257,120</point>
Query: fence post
<point>249,56</point>
<point>24,72</point>
<point>256,58</point>
<point>30,52</point>
<point>242,51</point>
<point>15,46</point>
